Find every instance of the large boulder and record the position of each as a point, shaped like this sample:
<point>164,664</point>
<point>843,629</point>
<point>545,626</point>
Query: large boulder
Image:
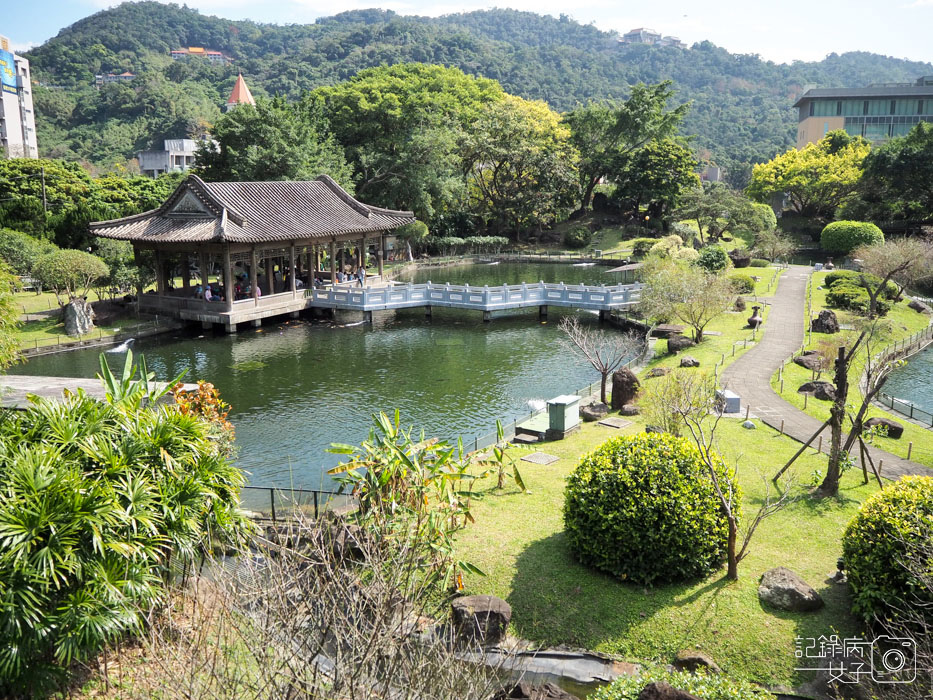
<point>527,691</point>
<point>629,409</point>
<point>689,361</point>
<point>676,343</point>
<point>826,322</point>
<point>658,372</point>
<point>625,387</point>
<point>692,660</point>
<point>917,306</point>
<point>895,429</point>
<point>824,391</point>
<point>781,588</point>
<point>480,618</point>
<point>740,257</point>
<point>810,359</point>
<point>594,412</point>
<point>79,317</point>
<point>664,691</point>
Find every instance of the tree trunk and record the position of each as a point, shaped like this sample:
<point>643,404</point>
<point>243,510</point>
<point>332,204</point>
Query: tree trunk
<point>588,192</point>
<point>697,335</point>
<point>602,388</point>
<point>733,571</point>
<point>830,485</point>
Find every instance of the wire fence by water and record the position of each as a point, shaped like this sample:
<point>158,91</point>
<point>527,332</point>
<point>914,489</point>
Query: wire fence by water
<point>54,343</point>
<point>900,349</point>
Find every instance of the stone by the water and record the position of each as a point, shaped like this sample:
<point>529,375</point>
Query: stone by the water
<point>689,361</point>
<point>78,317</point>
<point>480,618</point>
<point>629,409</point>
<point>826,322</point>
<point>625,387</point>
<point>694,660</point>
<point>895,429</point>
<point>824,391</point>
<point>676,343</point>
<point>594,411</point>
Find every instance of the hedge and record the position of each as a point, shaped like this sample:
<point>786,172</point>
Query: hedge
<point>706,686</point>
<point>643,508</point>
<point>845,236</point>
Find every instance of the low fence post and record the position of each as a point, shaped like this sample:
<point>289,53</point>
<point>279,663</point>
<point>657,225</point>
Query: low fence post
<point>315,505</point>
<point>272,502</point>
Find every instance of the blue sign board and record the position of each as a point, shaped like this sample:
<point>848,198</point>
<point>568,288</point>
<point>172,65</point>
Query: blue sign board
<point>7,72</point>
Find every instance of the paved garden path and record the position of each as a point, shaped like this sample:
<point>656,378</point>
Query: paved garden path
<point>750,375</point>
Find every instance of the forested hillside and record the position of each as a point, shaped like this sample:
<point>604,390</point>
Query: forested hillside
<point>741,105</point>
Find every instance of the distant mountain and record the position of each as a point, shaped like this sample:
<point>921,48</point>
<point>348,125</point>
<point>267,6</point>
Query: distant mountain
<point>741,105</point>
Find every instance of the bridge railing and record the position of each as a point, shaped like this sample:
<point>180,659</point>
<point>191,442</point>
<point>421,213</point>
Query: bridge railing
<point>482,298</point>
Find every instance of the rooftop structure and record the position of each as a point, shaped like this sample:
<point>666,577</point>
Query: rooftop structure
<point>17,119</point>
<point>105,78</point>
<point>240,95</point>
<point>176,156</point>
<point>271,233</point>
<point>200,52</point>
<point>877,112</point>
<point>649,36</point>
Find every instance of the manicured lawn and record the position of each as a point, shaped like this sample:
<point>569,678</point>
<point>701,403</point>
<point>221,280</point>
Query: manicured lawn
<point>518,542</point>
<point>52,331</point>
<point>904,322</point>
<point>31,303</point>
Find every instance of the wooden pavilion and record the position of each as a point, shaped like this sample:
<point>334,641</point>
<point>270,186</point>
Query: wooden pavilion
<point>262,236</point>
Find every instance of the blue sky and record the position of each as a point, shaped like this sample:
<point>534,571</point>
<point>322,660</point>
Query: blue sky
<point>779,30</point>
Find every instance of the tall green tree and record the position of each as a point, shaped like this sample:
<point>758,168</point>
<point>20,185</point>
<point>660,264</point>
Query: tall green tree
<point>519,163</point>
<point>402,126</point>
<point>718,209</point>
<point>271,141</point>
<point>605,131</point>
<point>655,175</point>
<point>9,318</point>
<point>818,179</point>
<point>897,182</point>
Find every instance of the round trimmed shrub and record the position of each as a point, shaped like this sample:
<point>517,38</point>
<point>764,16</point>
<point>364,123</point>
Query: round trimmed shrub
<point>706,686</point>
<point>742,284</point>
<point>858,279</point>
<point>643,508</point>
<point>641,246</point>
<point>760,262</point>
<point>712,258</point>
<point>845,236</point>
<point>888,551</point>
<point>578,237</point>
<point>845,295</point>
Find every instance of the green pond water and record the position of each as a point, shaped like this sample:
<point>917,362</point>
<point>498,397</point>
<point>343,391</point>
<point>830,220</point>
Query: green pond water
<point>298,386</point>
<point>914,381</point>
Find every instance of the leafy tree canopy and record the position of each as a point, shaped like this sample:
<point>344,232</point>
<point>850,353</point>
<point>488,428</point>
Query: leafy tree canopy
<point>898,179</point>
<point>817,179</point>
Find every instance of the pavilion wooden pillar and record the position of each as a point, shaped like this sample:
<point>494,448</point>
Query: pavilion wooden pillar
<point>269,267</point>
<point>160,272</point>
<point>254,273</point>
<point>205,275</point>
<point>333,261</point>
<point>228,279</point>
<point>362,252</point>
<point>186,274</point>
<point>292,269</point>
<point>138,260</point>
<point>380,253</point>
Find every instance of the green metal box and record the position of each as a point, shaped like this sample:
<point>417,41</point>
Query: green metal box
<point>563,413</point>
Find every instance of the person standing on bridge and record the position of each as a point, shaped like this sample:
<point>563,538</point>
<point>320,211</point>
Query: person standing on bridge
<point>361,276</point>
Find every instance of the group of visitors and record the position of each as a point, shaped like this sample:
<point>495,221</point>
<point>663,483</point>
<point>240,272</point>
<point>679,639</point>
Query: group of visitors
<point>243,289</point>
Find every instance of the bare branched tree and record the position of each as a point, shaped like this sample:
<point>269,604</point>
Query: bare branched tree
<point>903,261</point>
<point>695,403</point>
<point>314,611</point>
<point>606,350</point>
<point>686,293</point>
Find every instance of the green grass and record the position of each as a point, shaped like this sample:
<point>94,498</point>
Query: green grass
<point>518,541</point>
<point>51,331</point>
<point>905,322</point>
<point>31,303</point>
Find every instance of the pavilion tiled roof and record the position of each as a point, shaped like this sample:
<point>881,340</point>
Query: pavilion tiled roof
<point>253,212</point>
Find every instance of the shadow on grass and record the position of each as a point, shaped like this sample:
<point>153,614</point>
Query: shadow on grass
<point>557,600</point>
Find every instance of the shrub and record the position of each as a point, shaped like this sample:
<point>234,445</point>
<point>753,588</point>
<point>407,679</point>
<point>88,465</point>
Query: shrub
<point>886,548</point>
<point>641,246</point>
<point>764,218</point>
<point>644,509</point>
<point>759,262</point>
<point>578,237</point>
<point>859,279</point>
<point>706,686</point>
<point>713,259</point>
<point>685,231</point>
<point>743,284</point>
<point>21,251</point>
<point>845,236</point>
<point>844,295</point>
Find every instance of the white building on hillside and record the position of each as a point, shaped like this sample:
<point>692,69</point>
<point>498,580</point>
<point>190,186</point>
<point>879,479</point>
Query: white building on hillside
<point>176,156</point>
<point>17,120</point>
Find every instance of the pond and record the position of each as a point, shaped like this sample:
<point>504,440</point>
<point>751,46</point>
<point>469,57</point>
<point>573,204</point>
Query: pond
<point>914,381</point>
<point>298,386</point>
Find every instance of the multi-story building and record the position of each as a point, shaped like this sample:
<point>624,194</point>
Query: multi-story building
<point>200,52</point>
<point>17,120</point>
<point>177,156</point>
<point>877,112</point>
<point>105,78</point>
<point>649,36</point>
